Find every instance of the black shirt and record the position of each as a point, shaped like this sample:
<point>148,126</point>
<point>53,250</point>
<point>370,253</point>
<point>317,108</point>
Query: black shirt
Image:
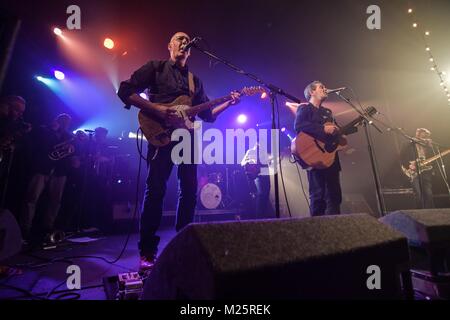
<point>311,120</point>
<point>165,82</point>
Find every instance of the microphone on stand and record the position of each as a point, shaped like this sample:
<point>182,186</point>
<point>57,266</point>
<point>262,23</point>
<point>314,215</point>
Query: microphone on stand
<point>336,90</point>
<point>192,43</point>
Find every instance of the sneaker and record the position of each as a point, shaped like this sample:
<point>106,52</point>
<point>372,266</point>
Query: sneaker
<point>146,263</point>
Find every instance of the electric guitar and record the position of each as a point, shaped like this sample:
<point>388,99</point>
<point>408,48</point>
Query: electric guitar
<point>423,165</point>
<point>315,154</point>
<point>158,132</point>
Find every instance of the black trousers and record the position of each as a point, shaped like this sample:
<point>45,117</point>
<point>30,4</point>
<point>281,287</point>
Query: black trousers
<point>325,193</point>
<point>427,190</point>
<point>263,206</point>
<point>160,168</point>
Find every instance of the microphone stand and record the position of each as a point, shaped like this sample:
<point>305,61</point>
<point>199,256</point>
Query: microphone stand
<point>273,91</point>
<point>442,169</point>
<point>414,142</point>
<point>376,177</point>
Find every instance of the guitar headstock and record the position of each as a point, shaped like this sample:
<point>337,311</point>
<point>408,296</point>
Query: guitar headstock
<point>370,111</point>
<point>250,91</point>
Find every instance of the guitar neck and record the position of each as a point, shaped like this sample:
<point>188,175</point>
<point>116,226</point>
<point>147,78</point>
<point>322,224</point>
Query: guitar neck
<point>207,105</point>
<point>429,160</point>
<point>368,113</point>
<point>350,125</point>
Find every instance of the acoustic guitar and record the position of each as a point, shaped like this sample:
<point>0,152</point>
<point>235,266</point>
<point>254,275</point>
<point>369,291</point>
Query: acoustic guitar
<point>314,154</point>
<point>158,132</point>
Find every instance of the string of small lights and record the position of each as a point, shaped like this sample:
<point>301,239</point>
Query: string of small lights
<point>434,66</point>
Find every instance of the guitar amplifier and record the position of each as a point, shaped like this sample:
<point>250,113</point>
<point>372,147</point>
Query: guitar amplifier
<point>399,198</point>
<point>122,214</point>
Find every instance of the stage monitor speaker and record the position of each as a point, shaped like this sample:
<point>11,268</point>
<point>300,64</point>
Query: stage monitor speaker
<point>428,234</point>
<point>326,257</point>
<point>10,235</point>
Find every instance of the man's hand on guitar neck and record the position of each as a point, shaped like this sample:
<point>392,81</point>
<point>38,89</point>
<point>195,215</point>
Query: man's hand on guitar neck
<point>330,129</point>
<point>235,98</point>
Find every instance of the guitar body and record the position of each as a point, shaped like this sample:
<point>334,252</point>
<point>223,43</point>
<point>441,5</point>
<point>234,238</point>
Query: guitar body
<point>157,131</point>
<point>315,154</point>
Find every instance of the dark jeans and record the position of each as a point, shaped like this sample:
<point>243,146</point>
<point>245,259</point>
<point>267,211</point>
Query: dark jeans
<point>325,194</point>
<point>160,167</point>
<point>427,189</point>
<point>263,206</point>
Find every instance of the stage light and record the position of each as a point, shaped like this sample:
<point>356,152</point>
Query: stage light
<point>414,25</point>
<point>432,69</point>
<point>242,118</point>
<point>410,10</point>
<point>427,33</point>
<point>57,31</point>
<point>39,78</point>
<point>108,43</point>
<point>283,129</point>
<point>264,95</point>
<point>59,75</point>
<point>143,95</point>
<point>431,59</point>
<point>427,49</point>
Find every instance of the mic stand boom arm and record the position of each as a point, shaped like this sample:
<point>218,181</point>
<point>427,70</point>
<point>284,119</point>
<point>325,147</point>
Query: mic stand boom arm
<point>414,142</point>
<point>376,177</point>
<point>274,90</point>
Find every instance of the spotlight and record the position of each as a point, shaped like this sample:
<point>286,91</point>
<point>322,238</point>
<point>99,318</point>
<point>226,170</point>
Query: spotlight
<point>427,33</point>
<point>59,75</point>
<point>108,43</point>
<point>432,69</point>
<point>410,10</point>
<point>264,95</point>
<point>427,49</point>
<point>283,129</point>
<point>143,95</point>
<point>242,118</point>
<point>57,31</point>
<point>431,59</point>
<point>414,25</point>
<point>39,78</point>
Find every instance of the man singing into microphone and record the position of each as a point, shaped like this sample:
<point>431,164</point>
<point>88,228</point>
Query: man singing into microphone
<point>165,81</point>
<point>324,185</point>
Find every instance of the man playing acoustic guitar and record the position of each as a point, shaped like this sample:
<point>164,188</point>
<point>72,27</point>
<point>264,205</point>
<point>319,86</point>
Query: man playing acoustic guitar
<point>166,81</point>
<point>324,186</point>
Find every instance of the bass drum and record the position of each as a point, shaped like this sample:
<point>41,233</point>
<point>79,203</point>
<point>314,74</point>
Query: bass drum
<point>210,196</point>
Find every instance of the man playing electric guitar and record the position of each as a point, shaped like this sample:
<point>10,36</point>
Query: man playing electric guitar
<point>423,184</point>
<point>166,81</point>
<point>317,121</point>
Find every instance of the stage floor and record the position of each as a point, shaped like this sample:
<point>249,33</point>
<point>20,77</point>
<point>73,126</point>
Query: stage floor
<point>38,275</point>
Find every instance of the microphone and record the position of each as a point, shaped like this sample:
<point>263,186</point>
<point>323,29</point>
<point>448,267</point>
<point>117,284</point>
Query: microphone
<point>192,43</point>
<point>336,90</point>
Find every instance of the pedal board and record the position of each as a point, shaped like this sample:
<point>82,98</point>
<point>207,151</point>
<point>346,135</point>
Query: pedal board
<point>124,286</point>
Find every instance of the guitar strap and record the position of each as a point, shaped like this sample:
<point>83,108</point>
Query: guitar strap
<point>191,85</point>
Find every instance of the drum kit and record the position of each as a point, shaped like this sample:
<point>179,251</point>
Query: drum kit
<point>217,190</point>
<point>210,195</point>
